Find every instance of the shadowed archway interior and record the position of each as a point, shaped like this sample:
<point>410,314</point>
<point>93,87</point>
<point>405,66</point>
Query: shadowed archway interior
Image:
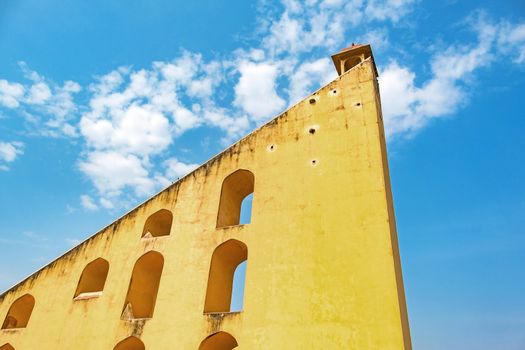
<point>143,287</point>
<point>224,262</point>
<point>219,341</point>
<point>19,312</point>
<point>130,343</point>
<point>235,188</point>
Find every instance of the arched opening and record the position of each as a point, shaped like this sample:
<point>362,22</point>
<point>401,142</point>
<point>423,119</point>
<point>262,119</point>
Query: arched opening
<point>130,343</point>
<point>239,278</point>
<point>143,287</point>
<point>235,188</point>
<point>245,216</point>
<point>219,341</point>
<point>92,279</point>
<point>6,346</point>
<point>19,312</point>
<point>158,224</point>
<point>350,63</point>
<point>224,261</point>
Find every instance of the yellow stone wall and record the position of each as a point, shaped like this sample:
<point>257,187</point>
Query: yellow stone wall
<point>323,269</point>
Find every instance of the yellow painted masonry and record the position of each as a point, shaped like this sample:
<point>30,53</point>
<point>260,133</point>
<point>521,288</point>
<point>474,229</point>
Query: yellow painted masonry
<point>323,266</point>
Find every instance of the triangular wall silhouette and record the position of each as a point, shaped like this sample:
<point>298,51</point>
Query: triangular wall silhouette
<point>323,268</point>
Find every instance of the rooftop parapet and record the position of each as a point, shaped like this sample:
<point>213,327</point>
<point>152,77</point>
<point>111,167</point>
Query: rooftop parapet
<point>351,56</point>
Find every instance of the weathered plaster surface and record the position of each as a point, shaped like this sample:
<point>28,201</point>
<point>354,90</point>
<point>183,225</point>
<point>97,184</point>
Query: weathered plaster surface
<point>323,267</point>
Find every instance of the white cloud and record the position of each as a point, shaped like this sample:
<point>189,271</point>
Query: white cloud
<point>181,70</point>
<point>126,99</point>
<point>136,129</point>
<point>309,75</point>
<point>407,108</point>
<point>28,73</point>
<point>176,169</point>
<point>297,32</point>
<point>10,93</point>
<point>9,151</point>
<point>112,172</point>
<point>61,104</point>
<point>388,10</point>
<point>234,126</point>
<point>286,35</point>
<point>377,38</point>
<point>457,62</point>
<point>305,25</point>
<point>398,92</point>
<point>88,203</point>
<point>39,93</point>
<point>511,40</point>
<point>106,203</point>
<point>439,97</point>
<point>54,102</point>
<point>185,119</point>
<point>255,92</point>
<point>51,107</point>
<point>133,117</point>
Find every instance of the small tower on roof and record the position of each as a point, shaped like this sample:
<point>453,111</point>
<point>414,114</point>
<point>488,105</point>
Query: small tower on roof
<point>351,56</point>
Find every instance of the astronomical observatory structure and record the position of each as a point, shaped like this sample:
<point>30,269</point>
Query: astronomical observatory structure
<point>322,259</point>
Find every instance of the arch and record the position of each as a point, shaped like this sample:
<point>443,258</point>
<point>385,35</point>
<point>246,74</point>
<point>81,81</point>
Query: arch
<point>239,278</point>
<point>7,346</point>
<point>158,224</point>
<point>351,62</point>
<point>224,262</point>
<point>19,312</point>
<point>130,343</point>
<point>143,286</point>
<point>92,280</point>
<point>245,216</point>
<point>219,341</point>
<point>235,188</point>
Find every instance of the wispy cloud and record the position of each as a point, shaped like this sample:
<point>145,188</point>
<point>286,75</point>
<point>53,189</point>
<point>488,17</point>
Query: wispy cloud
<point>392,10</point>
<point>50,107</point>
<point>256,80</point>
<point>408,108</point>
<point>11,93</point>
<point>135,115</point>
<point>9,151</point>
<point>132,117</point>
<point>88,203</point>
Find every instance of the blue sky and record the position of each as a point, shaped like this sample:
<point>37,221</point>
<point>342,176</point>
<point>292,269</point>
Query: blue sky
<point>104,103</point>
